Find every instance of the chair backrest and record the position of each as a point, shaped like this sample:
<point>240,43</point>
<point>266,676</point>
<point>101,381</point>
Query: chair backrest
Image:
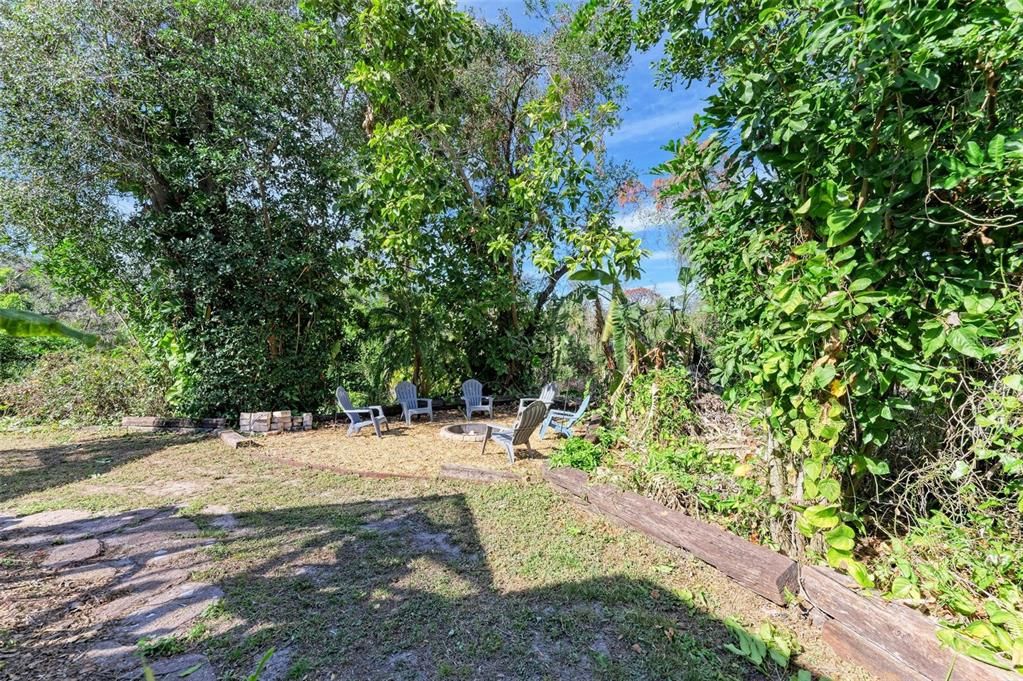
<point>406,393</point>
<point>472,392</point>
<point>582,405</point>
<point>548,393</point>
<point>345,402</point>
<point>528,421</point>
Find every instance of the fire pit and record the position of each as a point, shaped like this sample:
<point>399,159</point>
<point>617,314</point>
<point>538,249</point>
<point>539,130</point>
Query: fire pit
<point>465,432</point>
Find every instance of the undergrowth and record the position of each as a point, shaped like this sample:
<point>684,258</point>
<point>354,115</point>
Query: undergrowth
<point>85,387</point>
<point>964,567</point>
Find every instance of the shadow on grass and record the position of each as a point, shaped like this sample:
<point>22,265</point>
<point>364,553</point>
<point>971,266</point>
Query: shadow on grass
<point>23,471</point>
<point>404,589</point>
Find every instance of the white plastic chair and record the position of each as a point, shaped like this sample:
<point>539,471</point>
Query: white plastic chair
<point>360,418</point>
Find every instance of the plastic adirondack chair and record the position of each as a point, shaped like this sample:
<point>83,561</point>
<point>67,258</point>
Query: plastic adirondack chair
<point>360,418</point>
<point>408,396</point>
<point>472,395</point>
<point>547,395</point>
<point>562,421</point>
<point>518,434</point>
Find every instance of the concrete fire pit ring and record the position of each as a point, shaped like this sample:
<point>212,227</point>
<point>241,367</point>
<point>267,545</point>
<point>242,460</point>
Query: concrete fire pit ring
<point>464,432</point>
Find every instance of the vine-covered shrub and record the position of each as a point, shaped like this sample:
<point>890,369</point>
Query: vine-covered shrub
<point>86,387</point>
<point>703,483</point>
<point>852,197</point>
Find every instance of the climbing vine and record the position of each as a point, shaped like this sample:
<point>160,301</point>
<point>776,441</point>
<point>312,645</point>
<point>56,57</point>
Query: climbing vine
<point>851,197</point>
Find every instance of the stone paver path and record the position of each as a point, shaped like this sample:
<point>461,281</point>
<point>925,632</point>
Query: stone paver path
<point>80,591</point>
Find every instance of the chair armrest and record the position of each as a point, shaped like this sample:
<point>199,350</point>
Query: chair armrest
<point>428,400</point>
<point>377,408</point>
<point>523,401</point>
<point>561,412</point>
<point>488,400</point>
<point>358,411</point>
<point>498,430</point>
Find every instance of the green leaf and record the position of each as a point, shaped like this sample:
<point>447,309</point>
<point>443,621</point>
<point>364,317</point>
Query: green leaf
<point>964,340</point>
<point>962,469</point>
<point>822,516</point>
<point>823,375</point>
<point>965,647</point>
<point>840,219</point>
<point>926,77</point>
<point>805,208</point>
<point>974,154</point>
<point>859,573</point>
<point>747,92</point>
<point>843,226</point>
<point>830,490</point>
<point>586,275</point>
<point>1014,381</point>
<point>932,339</point>
<point>1014,6</point>
<point>29,324</point>
<point>859,284</point>
<point>902,588</point>
<point>996,148</point>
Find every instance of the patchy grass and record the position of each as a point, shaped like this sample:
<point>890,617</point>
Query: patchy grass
<point>409,579</point>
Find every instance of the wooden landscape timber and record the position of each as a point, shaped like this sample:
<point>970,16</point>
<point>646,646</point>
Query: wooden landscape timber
<point>159,423</point>
<point>485,475</point>
<point>890,640</point>
<point>235,440</point>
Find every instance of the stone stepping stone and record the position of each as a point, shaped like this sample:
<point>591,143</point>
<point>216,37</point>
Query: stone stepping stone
<point>107,524</point>
<point>143,591</point>
<point>113,656</point>
<point>173,616</point>
<point>171,553</point>
<point>66,532</point>
<point>45,520</point>
<point>94,574</point>
<point>278,666</point>
<point>160,530</point>
<point>193,667</point>
<point>75,552</point>
<point>222,519</point>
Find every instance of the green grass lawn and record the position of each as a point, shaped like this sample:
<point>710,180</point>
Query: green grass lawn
<point>352,578</point>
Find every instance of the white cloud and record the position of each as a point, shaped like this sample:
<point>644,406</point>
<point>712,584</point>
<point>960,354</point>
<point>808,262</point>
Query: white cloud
<point>656,256</point>
<point>667,288</point>
<point>658,125</point>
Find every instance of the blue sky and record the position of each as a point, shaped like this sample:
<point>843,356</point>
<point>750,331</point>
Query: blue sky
<point>650,118</point>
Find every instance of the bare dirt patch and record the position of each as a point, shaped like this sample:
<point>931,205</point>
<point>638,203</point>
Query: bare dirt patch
<point>418,449</point>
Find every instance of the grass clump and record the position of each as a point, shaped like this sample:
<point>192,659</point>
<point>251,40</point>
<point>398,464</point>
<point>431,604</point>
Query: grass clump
<point>577,453</point>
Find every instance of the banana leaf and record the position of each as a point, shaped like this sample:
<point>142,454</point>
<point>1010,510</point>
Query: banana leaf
<point>30,324</point>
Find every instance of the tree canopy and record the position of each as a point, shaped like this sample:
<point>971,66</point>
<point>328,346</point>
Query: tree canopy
<point>281,199</point>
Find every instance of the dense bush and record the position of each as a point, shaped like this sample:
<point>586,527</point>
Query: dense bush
<point>657,405</point>
<point>852,197</point>
<point>86,387</point>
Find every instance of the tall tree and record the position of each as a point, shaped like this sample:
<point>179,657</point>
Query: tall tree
<point>191,163</point>
<point>487,180</point>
